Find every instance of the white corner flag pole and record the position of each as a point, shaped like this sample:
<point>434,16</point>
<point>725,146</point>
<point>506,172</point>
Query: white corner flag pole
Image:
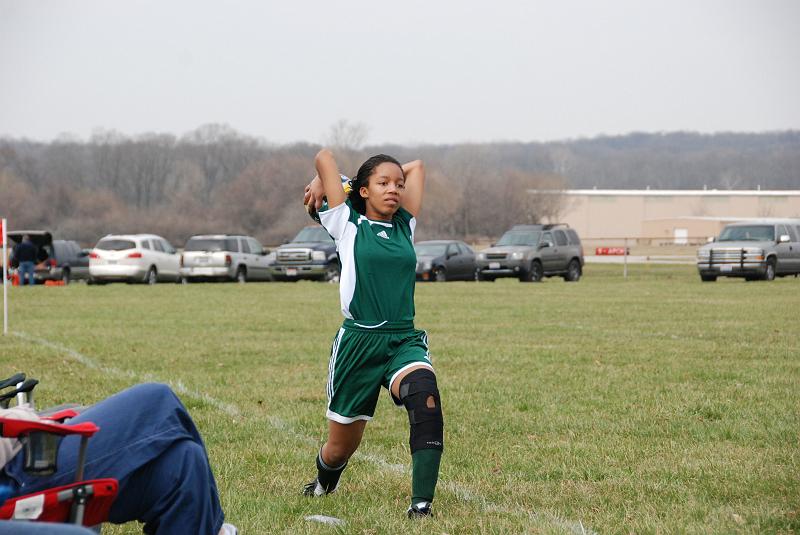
<point>3,226</point>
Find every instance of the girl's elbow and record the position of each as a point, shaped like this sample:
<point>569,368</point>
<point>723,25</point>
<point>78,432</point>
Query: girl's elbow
<point>416,165</point>
<point>323,154</point>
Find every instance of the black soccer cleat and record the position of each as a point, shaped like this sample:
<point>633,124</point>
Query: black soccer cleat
<point>419,510</point>
<point>315,488</point>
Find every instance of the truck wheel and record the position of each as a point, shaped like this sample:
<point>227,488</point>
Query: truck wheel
<point>65,278</point>
<point>769,273</point>
<point>708,278</point>
<point>241,275</point>
<point>573,271</point>
<point>332,273</point>
<point>533,273</point>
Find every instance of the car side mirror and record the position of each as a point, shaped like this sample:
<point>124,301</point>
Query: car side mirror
<point>783,238</point>
<point>545,244</point>
<point>83,253</point>
<point>264,251</point>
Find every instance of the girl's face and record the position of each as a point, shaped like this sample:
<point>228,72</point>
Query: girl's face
<point>384,192</point>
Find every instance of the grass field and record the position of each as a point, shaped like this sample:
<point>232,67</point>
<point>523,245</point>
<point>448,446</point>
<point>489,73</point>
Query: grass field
<point>656,404</point>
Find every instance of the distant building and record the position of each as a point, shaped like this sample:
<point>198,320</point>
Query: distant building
<point>660,216</point>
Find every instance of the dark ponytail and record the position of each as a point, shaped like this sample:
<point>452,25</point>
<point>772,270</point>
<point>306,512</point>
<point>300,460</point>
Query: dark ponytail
<point>362,179</point>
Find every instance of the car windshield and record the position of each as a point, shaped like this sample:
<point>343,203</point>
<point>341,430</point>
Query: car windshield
<point>313,234</point>
<point>430,249</point>
<point>209,244</point>
<point>115,245</point>
<point>516,237</point>
<point>748,233</point>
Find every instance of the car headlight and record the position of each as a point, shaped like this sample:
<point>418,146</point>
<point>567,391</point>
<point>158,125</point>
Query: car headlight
<point>519,255</point>
<point>481,256</point>
<point>703,254</point>
<point>318,256</point>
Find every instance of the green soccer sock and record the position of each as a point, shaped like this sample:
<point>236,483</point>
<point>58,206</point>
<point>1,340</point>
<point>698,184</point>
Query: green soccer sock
<point>424,474</point>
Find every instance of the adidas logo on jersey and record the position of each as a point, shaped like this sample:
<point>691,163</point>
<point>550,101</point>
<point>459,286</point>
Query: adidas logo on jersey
<point>383,235</point>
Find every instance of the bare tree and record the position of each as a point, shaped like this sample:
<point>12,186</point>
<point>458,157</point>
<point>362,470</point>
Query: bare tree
<point>545,200</point>
<point>18,202</point>
<point>346,135</point>
<point>106,154</point>
<point>440,212</point>
<point>221,152</point>
<point>153,158</point>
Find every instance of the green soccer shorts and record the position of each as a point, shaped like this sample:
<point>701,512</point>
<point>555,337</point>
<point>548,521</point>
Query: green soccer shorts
<point>365,357</point>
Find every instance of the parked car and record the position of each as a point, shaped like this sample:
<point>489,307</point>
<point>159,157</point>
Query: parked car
<point>762,249</point>
<point>62,260</point>
<point>67,262</point>
<point>530,252</point>
<point>444,260</point>
<point>225,257</point>
<point>133,258</point>
<point>310,255</point>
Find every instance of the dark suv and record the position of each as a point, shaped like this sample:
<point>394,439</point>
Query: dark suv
<point>310,255</point>
<point>530,252</point>
<point>62,260</point>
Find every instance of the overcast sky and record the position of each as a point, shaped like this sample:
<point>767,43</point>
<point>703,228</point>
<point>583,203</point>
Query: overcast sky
<point>438,71</point>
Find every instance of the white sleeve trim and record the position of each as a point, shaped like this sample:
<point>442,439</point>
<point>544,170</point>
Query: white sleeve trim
<point>335,220</point>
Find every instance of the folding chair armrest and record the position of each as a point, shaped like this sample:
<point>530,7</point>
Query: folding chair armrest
<point>60,416</point>
<point>13,428</point>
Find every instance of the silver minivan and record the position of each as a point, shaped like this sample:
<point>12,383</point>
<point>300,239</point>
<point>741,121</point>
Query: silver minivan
<point>225,257</point>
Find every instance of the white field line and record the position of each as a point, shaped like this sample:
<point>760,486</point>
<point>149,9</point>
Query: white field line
<point>178,386</point>
<point>280,424</point>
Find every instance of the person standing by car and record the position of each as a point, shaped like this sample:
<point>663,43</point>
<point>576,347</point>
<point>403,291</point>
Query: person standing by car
<point>373,227</point>
<point>26,255</point>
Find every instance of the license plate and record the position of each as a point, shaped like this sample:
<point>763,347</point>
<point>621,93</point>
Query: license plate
<point>494,265</point>
<point>726,268</point>
<point>111,261</point>
<point>202,260</point>
<point>291,272</point>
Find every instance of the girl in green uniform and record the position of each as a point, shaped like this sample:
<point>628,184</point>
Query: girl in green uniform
<point>377,345</point>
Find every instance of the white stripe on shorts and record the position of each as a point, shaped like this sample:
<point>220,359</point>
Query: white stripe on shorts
<point>332,364</point>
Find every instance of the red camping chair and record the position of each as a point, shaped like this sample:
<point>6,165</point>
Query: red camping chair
<point>82,502</point>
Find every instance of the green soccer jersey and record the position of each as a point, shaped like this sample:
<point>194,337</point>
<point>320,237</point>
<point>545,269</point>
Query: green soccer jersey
<point>378,264</point>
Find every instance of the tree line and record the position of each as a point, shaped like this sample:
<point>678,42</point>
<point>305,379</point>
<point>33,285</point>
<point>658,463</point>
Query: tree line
<point>217,180</point>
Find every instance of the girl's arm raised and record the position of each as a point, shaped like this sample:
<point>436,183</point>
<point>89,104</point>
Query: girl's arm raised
<point>415,186</point>
<point>328,172</point>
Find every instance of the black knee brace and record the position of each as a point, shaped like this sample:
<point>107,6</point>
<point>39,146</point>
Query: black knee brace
<point>418,392</point>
